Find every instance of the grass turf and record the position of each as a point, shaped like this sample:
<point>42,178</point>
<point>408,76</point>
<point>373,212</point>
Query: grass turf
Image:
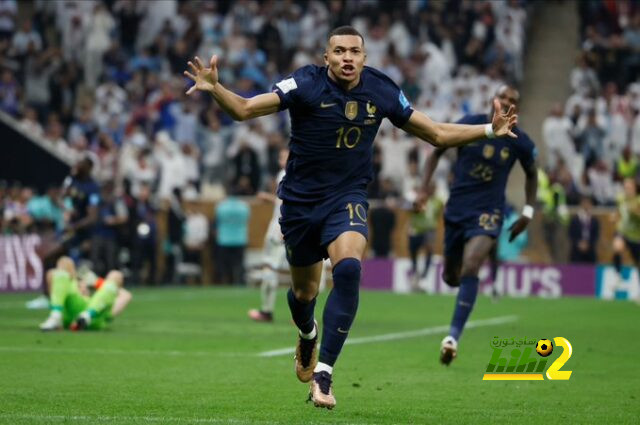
<point>189,355</point>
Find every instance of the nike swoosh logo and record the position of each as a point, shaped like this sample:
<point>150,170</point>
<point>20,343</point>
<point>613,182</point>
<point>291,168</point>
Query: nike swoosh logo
<point>327,105</point>
<point>355,224</point>
<point>343,331</point>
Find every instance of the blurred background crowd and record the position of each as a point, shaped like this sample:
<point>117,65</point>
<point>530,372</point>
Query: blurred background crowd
<point>104,79</point>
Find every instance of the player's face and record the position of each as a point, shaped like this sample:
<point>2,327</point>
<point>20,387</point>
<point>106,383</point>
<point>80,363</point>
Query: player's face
<point>508,97</point>
<point>345,58</point>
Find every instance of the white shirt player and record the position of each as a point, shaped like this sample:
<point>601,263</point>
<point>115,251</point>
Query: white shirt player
<point>274,235</point>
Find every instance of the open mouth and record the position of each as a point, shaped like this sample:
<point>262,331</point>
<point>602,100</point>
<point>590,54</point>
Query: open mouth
<point>348,69</point>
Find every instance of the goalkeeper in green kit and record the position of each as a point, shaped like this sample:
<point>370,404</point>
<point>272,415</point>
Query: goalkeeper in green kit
<point>71,305</point>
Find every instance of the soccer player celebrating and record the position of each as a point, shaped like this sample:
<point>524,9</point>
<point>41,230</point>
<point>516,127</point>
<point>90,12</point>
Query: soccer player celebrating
<point>474,213</point>
<point>335,111</point>
<point>71,305</point>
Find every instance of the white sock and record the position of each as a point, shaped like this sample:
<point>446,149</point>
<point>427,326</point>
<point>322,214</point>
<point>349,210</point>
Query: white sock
<point>310,335</point>
<point>323,367</point>
<point>57,314</point>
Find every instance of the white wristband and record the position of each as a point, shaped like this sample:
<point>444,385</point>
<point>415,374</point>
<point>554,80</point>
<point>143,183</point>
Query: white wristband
<point>488,131</point>
<point>527,211</point>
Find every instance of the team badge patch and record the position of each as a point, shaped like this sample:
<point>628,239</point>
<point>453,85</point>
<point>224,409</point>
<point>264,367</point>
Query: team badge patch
<point>371,109</point>
<point>351,109</point>
<point>504,154</point>
<point>488,151</point>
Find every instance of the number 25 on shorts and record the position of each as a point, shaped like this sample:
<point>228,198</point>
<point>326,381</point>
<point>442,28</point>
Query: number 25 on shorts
<point>357,212</point>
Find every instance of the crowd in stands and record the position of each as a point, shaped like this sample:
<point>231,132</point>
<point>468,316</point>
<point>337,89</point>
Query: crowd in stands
<point>593,140</point>
<point>105,78</point>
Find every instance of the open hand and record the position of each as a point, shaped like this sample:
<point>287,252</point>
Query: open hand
<point>503,122</point>
<point>204,78</point>
<point>518,227</point>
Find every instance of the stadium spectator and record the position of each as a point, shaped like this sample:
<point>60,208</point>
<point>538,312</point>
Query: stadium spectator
<point>29,123</point>
<point>196,235</point>
<point>26,40</point>
<point>584,233</point>
<point>47,210</point>
<point>627,166</point>
<point>557,135</point>
<point>601,185</point>
<point>232,233</point>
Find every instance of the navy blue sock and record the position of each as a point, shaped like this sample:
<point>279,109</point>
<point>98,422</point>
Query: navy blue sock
<point>617,263</point>
<point>340,309</point>
<point>301,313</point>
<point>464,304</point>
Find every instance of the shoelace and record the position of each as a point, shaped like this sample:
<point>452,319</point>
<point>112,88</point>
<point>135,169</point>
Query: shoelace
<point>306,348</point>
<point>324,381</point>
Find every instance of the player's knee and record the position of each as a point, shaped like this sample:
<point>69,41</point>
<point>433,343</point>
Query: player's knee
<point>66,264</point>
<point>116,276</point>
<point>346,276</point>
<point>306,294</point>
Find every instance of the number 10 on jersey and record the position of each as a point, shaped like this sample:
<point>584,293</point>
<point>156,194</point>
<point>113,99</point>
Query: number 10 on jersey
<point>348,138</point>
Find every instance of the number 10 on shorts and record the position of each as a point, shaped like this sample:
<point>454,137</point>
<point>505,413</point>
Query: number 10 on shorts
<point>357,214</point>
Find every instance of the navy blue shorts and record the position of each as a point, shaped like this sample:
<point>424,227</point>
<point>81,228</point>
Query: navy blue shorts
<point>309,228</point>
<point>457,232</point>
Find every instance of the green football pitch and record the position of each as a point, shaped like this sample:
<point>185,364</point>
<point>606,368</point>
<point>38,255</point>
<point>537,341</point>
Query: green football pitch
<point>191,355</point>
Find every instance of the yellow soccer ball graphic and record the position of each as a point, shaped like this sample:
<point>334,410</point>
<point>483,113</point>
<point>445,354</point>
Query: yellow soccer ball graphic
<point>544,347</point>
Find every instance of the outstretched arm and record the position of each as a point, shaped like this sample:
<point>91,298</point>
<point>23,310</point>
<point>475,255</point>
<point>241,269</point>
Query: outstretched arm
<point>238,107</point>
<point>443,135</point>
<point>531,190</point>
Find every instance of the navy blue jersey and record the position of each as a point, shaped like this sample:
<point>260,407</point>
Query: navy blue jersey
<point>482,169</point>
<point>332,131</point>
<point>83,194</point>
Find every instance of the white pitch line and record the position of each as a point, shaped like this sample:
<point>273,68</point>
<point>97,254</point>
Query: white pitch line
<point>402,335</point>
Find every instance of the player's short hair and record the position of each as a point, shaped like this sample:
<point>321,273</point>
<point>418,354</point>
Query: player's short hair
<point>345,30</point>
<point>505,87</point>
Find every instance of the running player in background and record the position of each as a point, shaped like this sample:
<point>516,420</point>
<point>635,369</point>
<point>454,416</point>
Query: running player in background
<point>474,213</point>
<point>628,229</point>
<point>275,258</point>
<point>73,307</point>
<point>335,112</point>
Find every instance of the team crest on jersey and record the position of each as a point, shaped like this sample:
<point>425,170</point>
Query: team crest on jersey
<point>351,109</point>
<point>488,151</point>
<point>504,154</point>
<point>371,109</point>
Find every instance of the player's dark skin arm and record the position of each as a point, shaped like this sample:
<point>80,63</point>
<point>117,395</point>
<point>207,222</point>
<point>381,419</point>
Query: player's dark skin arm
<point>531,189</point>
<point>430,168</point>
